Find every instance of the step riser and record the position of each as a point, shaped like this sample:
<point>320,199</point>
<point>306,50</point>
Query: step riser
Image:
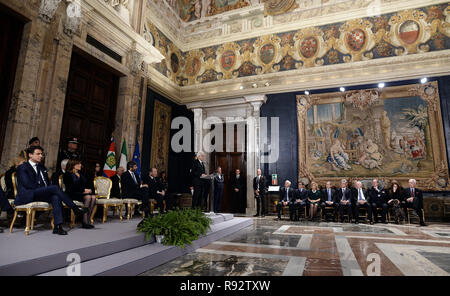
<point>59,260</point>
<point>44,264</point>
<point>139,266</point>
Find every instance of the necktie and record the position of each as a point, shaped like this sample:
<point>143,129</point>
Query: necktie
<point>287,190</point>
<point>41,180</point>
<point>329,195</point>
<point>412,192</point>
<point>359,194</point>
<point>134,177</point>
<point>343,193</point>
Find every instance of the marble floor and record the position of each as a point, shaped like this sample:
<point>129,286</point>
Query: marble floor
<point>286,248</point>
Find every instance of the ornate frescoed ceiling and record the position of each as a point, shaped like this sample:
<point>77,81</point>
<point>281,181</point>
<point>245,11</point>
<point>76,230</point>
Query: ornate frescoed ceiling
<point>242,56</point>
<point>403,33</point>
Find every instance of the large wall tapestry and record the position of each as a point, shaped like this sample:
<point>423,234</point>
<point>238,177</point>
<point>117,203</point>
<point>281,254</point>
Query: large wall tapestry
<point>391,133</point>
<point>160,136</point>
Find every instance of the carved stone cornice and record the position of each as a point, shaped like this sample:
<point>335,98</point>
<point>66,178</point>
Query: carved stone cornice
<point>135,60</point>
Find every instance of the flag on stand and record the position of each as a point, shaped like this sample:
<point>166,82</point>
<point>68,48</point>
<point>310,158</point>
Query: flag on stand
<point>123,155</point>
<point>109,169</point>
<point>136,159</point>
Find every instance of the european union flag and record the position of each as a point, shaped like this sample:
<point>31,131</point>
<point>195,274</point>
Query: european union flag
<point>137,159</point>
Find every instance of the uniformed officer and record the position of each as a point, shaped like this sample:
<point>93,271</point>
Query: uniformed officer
<point>71,152</point>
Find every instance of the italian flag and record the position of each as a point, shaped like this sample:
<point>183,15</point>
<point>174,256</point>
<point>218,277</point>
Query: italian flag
<point>109,169</point>
<point>123,155</point>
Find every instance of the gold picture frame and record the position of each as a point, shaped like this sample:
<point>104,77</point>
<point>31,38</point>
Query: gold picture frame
<point>381,136</point>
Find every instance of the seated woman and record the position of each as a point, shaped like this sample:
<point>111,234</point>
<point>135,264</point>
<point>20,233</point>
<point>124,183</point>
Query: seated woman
<point>395,199</point>
<point>314,196</point>
<point>77,187</point>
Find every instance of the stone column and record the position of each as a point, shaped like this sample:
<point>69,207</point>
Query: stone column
<point>21,126</point>
<point>253,150</point>
<point>129,101</point>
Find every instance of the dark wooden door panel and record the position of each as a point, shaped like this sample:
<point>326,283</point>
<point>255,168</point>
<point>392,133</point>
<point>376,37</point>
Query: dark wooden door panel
<point>89,112</point>
<point>229,162</point>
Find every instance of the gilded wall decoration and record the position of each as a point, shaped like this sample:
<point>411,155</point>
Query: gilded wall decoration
<point>160,136</point>
<point>391,133</point>
<point>229,59</point>
<point>409,31</point>
<point>187,10</point>
<point>267,52</point>
<point>401,33</point>
<point>310,46</point>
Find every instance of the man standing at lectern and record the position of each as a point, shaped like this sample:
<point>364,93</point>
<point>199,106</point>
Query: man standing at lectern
<point>198,171</point>
<point>259,186</point>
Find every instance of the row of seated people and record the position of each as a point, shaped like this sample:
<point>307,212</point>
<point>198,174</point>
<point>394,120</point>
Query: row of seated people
<point>344,200</point>
<point>33,185</point>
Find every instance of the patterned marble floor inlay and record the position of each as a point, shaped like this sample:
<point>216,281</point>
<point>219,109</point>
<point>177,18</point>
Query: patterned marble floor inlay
<point>271,247</point>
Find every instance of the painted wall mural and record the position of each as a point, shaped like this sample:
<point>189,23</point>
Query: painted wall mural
<point>392,133</point>
<point>402,33</point>
<point>218,6</point>
<point>188,10</point>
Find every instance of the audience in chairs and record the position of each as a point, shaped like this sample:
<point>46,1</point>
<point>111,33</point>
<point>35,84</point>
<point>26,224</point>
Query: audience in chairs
<point>329,200</point>
<point>378,200</point>
<point>300,199</point>
<point>132,188</point>
<point>33,185</point>
<point>287,198</point>
<point>396,201</point>
<point>314,197</point>
<point>116,191</point>
<point>362,200</point>
<point>61,171</point>
<point>155,188</point>
<point>77,187</point>
<point>344,198</point>
<point>414,199</point>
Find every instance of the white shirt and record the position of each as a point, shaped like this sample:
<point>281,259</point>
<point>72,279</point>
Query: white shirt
<point>133,176</point>
<point>34,165</point>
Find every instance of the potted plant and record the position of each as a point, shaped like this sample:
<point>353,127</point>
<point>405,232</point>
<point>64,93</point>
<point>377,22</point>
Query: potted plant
<point>179,227</point>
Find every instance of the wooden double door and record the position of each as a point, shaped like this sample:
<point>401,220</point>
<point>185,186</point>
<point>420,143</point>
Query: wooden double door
<point>90,108</point>
<point>229,162</point>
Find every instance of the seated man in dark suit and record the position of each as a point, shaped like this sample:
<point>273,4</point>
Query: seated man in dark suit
<point>287,198</point>
<point>414,199</point>
<point>155,188</point>
<point>300,200</point>
<point>344,198</point>
<point>116,191</point>
<point>132,188</point>
<point>33,185</point>
<point>362,200</point>
<point>329,200</point>
<point>378,199</point>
